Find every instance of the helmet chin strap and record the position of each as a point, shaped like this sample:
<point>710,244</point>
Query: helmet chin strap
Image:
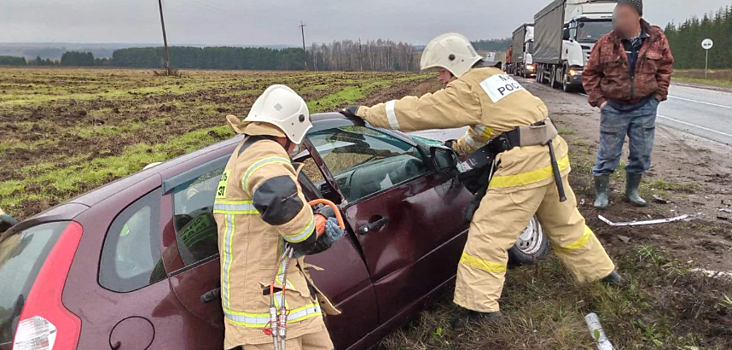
<point>288,143</point>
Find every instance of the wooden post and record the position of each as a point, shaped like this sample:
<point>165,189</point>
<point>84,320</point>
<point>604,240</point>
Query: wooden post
<point>165,38</point>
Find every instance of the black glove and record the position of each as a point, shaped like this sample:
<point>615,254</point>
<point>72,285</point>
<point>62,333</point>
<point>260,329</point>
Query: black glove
<point>449,143</point>
<point>350,111</point>
<point>326,211</point>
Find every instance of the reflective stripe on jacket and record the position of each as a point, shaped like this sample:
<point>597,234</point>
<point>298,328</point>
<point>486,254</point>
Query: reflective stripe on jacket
<point>490,103</point>
<point>259,206</point>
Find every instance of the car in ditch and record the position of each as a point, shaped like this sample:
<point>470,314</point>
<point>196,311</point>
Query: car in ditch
<point>135,264</point>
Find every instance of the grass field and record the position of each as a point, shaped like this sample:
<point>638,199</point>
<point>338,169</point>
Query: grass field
<point>715,77</point>
<point>66,131</point>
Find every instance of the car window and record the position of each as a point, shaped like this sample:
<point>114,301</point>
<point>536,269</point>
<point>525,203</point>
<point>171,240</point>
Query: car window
<point>195,227</point>
<point>365,161</point>
<point>131,252</point>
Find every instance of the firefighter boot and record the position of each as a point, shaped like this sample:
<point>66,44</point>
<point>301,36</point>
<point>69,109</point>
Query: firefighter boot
<point>602,183</point>
<point>474,318</point>
<point>632,182</point>
<point>614,279</point>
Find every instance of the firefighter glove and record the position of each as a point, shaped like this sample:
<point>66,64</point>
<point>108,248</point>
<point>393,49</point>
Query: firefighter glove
<point>350,111</point>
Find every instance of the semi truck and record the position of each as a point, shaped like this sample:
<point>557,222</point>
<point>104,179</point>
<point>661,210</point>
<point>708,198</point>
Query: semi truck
<point>523,46</point>
<point>565,32</point>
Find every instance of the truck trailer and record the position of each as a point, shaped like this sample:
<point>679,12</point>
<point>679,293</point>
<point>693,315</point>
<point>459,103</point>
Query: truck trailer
<point>522,63</point>
<point>564,33</point>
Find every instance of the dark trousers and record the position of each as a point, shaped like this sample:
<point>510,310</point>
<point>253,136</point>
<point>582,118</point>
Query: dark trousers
<point>639,125</point>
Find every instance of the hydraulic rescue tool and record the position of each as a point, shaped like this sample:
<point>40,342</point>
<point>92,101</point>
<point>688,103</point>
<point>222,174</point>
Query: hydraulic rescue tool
<point>278,314</point>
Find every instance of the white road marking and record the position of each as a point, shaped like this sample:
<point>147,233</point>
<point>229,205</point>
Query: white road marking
<point>687,123</point>
<point>694,125</point>
<point>702,102</point>
<point>689,100</point>
<point>690,124</point>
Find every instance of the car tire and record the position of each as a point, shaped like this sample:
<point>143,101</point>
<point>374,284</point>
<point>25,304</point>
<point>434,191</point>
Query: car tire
<point>531,245</point>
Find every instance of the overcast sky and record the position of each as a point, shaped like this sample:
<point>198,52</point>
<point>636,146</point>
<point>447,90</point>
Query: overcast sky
<point>247,22</point>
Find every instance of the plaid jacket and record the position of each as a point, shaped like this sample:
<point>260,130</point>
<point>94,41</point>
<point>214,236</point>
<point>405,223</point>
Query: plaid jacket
<point>607,75</point>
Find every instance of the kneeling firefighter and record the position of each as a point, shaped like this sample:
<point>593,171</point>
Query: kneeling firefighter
<point>511,139</point>
<point>265,226</point>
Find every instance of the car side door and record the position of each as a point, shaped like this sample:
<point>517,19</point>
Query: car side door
<point>191,256</point>
<point>406,216</point>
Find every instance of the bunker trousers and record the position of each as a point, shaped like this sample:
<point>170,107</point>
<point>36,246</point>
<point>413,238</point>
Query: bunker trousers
<point>495,228</point>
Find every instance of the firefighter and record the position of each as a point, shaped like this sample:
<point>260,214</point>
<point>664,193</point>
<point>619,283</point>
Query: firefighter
<point>6,221</point>
<point>261,213</point>
<point>493,105</point>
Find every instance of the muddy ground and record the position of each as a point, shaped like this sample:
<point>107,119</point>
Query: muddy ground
<point>54,119</point>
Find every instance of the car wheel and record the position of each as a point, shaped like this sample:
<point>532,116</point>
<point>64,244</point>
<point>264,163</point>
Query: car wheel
<point>531,245</point>
<point>565,80</point>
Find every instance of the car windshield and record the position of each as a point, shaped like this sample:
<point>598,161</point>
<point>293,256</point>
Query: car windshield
<point>592,31</point>
<point>21,257</point>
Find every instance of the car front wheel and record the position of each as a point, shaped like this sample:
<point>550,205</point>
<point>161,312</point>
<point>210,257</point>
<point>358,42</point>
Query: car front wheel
<point>531,245</point>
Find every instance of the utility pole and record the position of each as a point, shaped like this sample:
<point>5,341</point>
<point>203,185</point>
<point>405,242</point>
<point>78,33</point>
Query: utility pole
<point>302,30</point>
<point>165,38</point>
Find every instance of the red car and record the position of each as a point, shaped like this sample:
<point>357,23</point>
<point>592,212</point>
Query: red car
<point>135,265</point>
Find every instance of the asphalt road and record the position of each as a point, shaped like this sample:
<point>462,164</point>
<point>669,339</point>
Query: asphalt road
<point>702,112</point>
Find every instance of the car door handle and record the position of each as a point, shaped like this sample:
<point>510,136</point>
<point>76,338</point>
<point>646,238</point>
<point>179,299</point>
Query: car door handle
<point>376,223</point>
<point>211,295</point>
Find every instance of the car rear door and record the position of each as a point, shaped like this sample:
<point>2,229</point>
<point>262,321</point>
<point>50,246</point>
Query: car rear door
<point>190,253</point>
<point>407,217</point>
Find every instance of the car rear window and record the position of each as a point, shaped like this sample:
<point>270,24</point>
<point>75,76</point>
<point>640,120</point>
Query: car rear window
<point>21,257</point>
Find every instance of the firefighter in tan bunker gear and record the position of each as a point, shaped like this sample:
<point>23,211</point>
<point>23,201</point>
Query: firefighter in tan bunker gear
<point>490,103</point>
<point>260,212</point>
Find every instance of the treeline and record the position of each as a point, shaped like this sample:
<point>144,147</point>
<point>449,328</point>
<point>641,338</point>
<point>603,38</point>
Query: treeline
<point>685,40</point>
<point>379,55</point>
<point>12,61</point>
<point>69,58</point>
<point>373,55</point>
<point>212,58</point>
<point>82,59</point>
<point>496,45</point>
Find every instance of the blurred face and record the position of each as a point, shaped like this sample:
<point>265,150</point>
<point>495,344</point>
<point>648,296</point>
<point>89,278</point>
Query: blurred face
<point>627,20</point>
<point>445,75</point>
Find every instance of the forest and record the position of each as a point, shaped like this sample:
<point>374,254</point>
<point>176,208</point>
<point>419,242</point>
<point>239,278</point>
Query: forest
<point>685,40</point>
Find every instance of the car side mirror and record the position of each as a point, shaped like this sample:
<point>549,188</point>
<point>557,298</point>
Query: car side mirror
<point>565,34</point>
<point>443,159</point>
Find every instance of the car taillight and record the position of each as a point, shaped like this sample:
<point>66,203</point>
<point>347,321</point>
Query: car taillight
<point>45,324</point>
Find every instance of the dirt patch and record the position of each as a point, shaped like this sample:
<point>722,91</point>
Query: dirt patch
<point>65,118</point>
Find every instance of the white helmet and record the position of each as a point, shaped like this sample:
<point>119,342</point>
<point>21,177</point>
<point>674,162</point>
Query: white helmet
<point>284,108</point>
<point>451,51</point>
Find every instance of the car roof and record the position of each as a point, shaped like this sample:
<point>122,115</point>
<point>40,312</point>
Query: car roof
<point>75,206</point>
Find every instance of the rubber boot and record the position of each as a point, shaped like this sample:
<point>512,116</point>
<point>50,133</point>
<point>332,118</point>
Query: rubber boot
<point>614,279</point>
<point>474,318</point>
<point>632,182</point>
<point>602,197</point>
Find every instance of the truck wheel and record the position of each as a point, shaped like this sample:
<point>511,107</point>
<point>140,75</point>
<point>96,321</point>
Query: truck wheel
<point>531,245</point>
